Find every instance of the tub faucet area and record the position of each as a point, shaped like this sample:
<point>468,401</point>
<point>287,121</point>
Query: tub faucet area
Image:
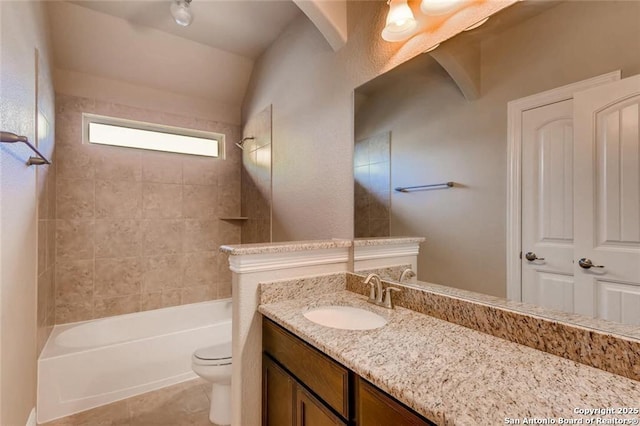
<point>407,275</point>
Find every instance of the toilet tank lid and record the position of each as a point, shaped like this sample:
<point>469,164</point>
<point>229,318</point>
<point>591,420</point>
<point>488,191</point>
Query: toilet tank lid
<point>219,351</point>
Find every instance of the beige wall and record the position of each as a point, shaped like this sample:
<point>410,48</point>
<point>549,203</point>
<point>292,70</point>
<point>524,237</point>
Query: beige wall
<point>256,179</point>
<point>311,89</point>
<point>23,28</point>
<point>438,136</point>
<point>139,230</point>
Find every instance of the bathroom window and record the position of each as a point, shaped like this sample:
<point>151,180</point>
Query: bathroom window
<point>135,134</point>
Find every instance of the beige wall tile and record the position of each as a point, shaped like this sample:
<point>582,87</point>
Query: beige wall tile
<point>162,272</point>
<point>224,289</point>
<point>118,238</point>
<point>228,232</point>
<point>199,269</point>
<point>68,128</point>
<point>73,312</point>
<point>75,198</point>
<point>111,306</point>
<point>228,199</point>
<point>224,273</point>
<point>118,199</point>
<point>51,192</point>
<point>115,163</point>
<point>200,201</point>
<point>42,188</point>
<point>74,239</point>
<point>199,171</point>
<point>118,277</point>
<point>161,168</point>
<point>145,221</point>
<point>42,246</point>
<point>200,235</point>
<point>151,301</point>
<point>171,298</point>
<point>74,280</point>
<point>228,171</point>
<point>67,103</point>
<point>161,201</point>
<point>162,236</point>
<point>74,162</point>
<point>51,243</point>
<point>197,294</point>
<point>264,230</point>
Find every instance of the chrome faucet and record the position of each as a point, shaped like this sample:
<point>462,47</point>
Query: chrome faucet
<point>375,294</point>
<point>407,274</point>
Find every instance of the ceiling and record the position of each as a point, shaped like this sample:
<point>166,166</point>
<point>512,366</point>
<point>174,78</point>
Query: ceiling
<point>246,28</point>
<point>137,42</point>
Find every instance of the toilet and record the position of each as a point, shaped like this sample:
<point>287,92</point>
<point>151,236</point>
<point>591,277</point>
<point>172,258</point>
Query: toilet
<point>213,363</point>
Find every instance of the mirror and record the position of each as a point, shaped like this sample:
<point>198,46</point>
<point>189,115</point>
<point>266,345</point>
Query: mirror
<point>442,117</point>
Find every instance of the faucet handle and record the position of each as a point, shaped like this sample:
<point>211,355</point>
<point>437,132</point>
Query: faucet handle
<point>372,280</point>
<point>388,301</point>
<point>372,292</point>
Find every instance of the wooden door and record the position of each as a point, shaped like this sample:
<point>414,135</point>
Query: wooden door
<point>607,201</point>
<point>547,206</point>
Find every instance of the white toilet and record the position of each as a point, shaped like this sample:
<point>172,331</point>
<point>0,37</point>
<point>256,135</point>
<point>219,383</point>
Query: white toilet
<point>213,364</point>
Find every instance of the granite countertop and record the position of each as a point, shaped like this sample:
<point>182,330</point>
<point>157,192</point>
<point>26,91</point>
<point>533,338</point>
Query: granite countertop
<point>457,376</point>
<point>283,247</point>
<point>383,241</point>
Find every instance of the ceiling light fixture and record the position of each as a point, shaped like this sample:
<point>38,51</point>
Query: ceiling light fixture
<point>477,24</point>
<point>400,21</point>
<point>181,12</point>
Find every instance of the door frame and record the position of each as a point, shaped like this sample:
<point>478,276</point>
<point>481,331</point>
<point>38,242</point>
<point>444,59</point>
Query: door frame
<point>515,109</point>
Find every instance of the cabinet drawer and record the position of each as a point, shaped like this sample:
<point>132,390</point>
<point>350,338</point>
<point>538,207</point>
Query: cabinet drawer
<point>326,378</point>
<point>376,408</point>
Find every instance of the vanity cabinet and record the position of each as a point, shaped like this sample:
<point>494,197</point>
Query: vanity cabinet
<point>304,387</point>
<point>376,408</point>
<point>286,402</point>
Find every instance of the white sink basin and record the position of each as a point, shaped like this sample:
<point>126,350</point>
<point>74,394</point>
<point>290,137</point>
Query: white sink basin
<point>345,318</point>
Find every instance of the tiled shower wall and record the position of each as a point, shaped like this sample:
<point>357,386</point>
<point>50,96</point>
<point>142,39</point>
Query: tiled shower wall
<point>46,192</point>
<point>139,230</point>
<point>256,179</point>
<point>372,192</point>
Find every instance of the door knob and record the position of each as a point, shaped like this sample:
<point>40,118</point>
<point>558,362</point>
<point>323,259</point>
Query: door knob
<point>531,256</point>
<point>587,264</point>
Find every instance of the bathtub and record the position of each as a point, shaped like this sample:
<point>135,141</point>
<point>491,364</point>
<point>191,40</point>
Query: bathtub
<point>87,364</point>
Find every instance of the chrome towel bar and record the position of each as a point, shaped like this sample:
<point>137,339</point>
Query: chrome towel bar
<point>444,185</point>
<point>8,137</point>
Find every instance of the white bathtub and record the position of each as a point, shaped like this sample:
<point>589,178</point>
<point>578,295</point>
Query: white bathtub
<point>92,363</point>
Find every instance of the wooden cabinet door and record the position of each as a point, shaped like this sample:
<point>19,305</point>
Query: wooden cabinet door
<point>278,395</point>
<point>375,408</point>
<point>311,412</point>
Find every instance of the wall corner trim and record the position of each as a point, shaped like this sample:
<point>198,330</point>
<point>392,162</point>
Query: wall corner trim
<point>330,17</point>
<point>249,263</point>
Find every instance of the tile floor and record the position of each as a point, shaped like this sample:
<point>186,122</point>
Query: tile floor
<point>184,404</point>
